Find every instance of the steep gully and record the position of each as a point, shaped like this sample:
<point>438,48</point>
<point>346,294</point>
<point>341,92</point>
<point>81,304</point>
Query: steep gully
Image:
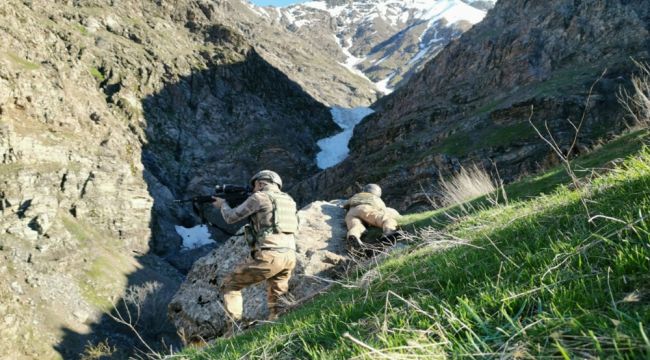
<point>333,150</point>
<point>201,129</point>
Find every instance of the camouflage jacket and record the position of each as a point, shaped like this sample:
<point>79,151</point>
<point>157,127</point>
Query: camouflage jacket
<point>364,198</point>
<point>259,209</point>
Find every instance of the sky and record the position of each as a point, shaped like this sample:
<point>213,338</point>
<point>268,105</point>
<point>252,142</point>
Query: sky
<point>275,2</point>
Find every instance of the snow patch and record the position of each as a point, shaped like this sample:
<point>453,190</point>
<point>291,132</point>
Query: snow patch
<point>320,5</point>
<point>351,61</point>
<point>450,10</point>
<point>289,16</point>
<point>383,85</point>
<point>257,9</point>
<point>420,54</point>
<point>397,12</point>
<point>301,23</point>
<point>194,237</point>
<point>382,59</point>
<point>334,149</point>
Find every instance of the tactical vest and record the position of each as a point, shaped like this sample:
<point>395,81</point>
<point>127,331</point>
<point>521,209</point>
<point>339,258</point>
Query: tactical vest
<point>364,198</point>
<point>284,223</point>
<point>285,213</point>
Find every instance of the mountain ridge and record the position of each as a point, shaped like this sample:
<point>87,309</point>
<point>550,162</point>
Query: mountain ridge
<point>471,103</point>
<point>386,41</point>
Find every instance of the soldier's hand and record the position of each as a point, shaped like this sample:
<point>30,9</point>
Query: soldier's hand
<point>218,202</point>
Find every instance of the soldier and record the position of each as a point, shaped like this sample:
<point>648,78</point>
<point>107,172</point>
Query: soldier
<point>273,223</point>
<point>367,207</point>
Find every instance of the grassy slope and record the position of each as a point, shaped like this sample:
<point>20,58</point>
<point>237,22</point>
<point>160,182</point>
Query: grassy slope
<point>537,279</point>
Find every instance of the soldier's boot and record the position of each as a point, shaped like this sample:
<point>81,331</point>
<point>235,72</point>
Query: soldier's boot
<point>354,242</point>
<point>354,246</point>
<point>390,237</point>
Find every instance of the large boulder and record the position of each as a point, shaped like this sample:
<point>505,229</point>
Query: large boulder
<point>197,309</point>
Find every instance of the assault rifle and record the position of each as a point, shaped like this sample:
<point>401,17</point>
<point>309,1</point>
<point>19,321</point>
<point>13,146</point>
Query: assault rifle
<point>233,194</point>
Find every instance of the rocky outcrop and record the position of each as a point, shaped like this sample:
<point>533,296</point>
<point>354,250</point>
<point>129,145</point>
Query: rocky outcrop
<point>471,104</point>
<point>197,310</point>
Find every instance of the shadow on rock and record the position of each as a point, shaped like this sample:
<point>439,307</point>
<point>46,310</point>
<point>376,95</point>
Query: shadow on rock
<point>220,124</point>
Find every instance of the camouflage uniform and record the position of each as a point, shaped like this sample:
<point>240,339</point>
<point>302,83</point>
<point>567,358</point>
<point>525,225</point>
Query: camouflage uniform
<point>273,257</point>
<point>368,208</point>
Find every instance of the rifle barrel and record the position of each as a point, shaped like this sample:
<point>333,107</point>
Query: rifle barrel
<point>232,193</point>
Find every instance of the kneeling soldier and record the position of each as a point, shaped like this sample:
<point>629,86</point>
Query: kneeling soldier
<point>273,223</point>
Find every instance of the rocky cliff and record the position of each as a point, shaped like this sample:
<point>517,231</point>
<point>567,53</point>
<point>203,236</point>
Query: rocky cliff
<point>386,41</point>
<point>108,111</point>
<point>307,60</point>
<point>471,104</point>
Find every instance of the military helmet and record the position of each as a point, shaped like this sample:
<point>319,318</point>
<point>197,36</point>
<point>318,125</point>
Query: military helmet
<point>268,175</point>
<point>373,189</point>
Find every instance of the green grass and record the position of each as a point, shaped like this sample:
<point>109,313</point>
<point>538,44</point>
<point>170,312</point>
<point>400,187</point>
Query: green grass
<point>81,232</point>
<point>497,135</point>
<point>490,107</point>
<point>576,78</point>
<point>97,74</point>
<point>401,155</point>
<point>28,65</point>
<point>563,79</point>
<point>81,29</point>
<point>583,166</point>
<point>107,269</point>
<point>105,276</point>
<point>534,279</point>
<point>458,144</point>
<point>532,186</point>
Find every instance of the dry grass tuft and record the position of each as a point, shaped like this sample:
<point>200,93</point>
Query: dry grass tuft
<point>637,102</point>
<point>101,350</point>
<point>466,185</point>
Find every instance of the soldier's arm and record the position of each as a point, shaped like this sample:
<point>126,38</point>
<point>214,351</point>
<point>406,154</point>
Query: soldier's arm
<point>241,212</point>
<point>379,203</point>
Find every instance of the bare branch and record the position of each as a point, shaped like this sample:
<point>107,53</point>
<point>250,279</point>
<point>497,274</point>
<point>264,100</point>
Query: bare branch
<point>584,113</point>
<point>121,320</point>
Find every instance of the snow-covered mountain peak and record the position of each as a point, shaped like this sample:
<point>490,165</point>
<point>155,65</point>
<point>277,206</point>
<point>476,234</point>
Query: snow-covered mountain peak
<point>396,12</point>
<point>385,41</point>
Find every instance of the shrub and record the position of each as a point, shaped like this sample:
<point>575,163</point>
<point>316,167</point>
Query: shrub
<point>101,350</point>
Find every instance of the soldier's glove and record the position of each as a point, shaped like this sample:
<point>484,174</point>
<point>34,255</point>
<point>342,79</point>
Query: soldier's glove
<point>218,202</point>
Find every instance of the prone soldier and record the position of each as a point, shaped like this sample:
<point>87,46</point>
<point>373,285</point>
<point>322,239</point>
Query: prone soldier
<point>367,207</point>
